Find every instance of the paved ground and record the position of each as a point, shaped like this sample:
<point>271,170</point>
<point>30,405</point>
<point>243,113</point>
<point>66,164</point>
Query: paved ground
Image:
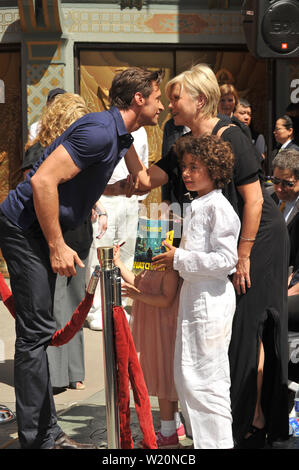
<point>82,414</point>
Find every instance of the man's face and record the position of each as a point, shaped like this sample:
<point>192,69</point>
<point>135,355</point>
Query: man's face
<point>152,107</point>
<point>284,192</point>
<point>243,114</point>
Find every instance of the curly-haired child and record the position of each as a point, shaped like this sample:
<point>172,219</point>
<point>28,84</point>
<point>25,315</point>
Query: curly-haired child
<point>206,257</point>
<point>155,297</point>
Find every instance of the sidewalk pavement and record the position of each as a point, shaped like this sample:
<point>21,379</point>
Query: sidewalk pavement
<point>81,413</point>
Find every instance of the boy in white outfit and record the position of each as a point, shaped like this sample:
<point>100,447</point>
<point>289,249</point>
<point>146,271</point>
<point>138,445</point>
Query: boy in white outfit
<point>206,257</point>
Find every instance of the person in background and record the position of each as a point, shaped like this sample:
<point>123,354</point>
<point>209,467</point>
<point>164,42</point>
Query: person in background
<point>284,135</point>
<point>120,218</point>
<point>228,99</point>
<point>35,127</point>
<point>243,112</point>
<point>66,363</point>
<point>170,135</point>
<point>285,193</point>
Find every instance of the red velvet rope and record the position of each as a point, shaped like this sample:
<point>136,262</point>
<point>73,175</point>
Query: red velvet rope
<point>64,335</point>
<point>6,296</point>
<point>129,370</point>
<point>128,367</point>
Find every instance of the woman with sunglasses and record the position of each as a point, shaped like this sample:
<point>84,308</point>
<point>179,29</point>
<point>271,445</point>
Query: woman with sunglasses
<point>285,188</point>
<point>258,382</point>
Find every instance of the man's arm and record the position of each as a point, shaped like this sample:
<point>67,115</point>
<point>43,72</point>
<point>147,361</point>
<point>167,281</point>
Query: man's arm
<point>142,179</point>
<point>56,169</point>
<point>137,169</point>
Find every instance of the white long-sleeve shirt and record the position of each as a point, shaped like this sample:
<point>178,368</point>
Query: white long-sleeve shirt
<point>208,247</point>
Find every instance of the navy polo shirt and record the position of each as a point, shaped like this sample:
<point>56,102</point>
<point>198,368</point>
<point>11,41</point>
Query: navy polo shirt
<point>96,142</point>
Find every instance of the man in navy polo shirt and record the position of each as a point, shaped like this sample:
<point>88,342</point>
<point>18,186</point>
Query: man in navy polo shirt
<point>57,195</point>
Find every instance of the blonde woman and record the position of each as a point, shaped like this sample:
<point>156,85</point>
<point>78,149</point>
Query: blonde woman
<point>258,383</point>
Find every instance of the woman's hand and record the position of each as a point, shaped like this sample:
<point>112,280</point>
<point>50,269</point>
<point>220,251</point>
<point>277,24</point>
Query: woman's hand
<point>165,260</point>
<point>241,278</point>
<point>128,290</point>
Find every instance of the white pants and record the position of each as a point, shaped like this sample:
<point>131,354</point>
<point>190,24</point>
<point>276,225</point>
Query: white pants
<point>122,226</point>
<point>201,364</point>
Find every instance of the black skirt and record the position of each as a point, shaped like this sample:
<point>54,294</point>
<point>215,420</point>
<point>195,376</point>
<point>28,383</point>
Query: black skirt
<point>262,313</point>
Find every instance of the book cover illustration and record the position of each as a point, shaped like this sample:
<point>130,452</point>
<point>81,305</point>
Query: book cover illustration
<point>149,241</point>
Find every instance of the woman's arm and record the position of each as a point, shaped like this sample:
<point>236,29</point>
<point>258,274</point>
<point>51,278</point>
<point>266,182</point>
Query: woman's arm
<point>165,299</point>
<point>252,211</point>
<point>137,169</point>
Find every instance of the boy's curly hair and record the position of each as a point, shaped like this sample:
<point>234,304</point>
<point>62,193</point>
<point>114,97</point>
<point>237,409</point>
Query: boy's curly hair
<point>212,152</point>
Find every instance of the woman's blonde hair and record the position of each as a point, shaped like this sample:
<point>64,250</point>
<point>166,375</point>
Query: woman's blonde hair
<point>199,80</point>
<point>58,116</point>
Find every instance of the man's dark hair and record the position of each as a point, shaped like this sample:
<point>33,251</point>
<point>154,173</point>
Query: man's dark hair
<point>244,103</point>
<point>287,121</point>
<point>130,81</point>
<point>287,159</point>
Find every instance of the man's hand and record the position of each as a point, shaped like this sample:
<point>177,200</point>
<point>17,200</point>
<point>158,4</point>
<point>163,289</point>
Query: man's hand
<point>63,259</point>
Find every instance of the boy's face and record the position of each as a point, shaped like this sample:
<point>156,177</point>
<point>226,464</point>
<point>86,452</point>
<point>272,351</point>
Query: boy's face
<point>195,175</point>
<point>152,107</point>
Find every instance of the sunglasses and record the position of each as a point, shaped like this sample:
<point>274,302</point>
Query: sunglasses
<point>283,183</point>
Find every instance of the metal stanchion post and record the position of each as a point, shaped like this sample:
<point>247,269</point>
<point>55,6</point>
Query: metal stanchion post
<point>111,295</point>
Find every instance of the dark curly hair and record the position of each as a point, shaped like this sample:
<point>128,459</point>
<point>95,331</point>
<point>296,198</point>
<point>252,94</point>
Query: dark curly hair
<point>214,153</point>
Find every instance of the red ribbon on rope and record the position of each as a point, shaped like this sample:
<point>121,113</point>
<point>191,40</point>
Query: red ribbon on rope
<point>128,367</point>
<point>129,370</point>
<point>64,335</point>
<point>6,296</point>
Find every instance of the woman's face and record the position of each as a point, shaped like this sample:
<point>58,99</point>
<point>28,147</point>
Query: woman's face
<point>227,104</point>
<point>182,106</point>
<point>281,133</point>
